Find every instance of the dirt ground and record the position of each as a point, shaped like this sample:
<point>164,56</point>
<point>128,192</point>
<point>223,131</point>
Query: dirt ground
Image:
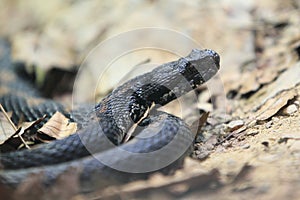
<point>249,146</point>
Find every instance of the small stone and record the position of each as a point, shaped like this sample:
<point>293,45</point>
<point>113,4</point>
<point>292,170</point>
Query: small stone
<point>252,123</point>
<point>245,146</point>
<point>275,119</point>
<point>179,189</point>
<point>212,121</point>
<point>207,107</point>
<point>204,96</point>
<point>269,124</point>
<point>297,103</point>
<point>252,133</point>
<point>290,109</point>
<point>226,144</point>
<point>234,125</point>
<point>201,154</point>
<point>211,142</point>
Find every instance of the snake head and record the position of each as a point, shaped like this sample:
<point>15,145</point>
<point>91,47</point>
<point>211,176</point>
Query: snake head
<point>198,67</point>
<point>198,55</point>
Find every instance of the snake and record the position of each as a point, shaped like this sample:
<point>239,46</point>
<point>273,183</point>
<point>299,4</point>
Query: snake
<point>96,155</point>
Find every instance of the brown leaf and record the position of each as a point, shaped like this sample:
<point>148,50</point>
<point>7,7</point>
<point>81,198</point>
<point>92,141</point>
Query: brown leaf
<point>6,128</point>
<point>28,125</point>
<point>58,126</point>
<point>273,105</point>
<point>287,80</point>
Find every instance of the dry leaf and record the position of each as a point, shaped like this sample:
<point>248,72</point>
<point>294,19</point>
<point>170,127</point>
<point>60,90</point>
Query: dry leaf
<point>273,105</point>
<point>6,128</point>
<point>265,78</point>
<point>58,126</point>
<point>287,80</point>
<point>28,125</point>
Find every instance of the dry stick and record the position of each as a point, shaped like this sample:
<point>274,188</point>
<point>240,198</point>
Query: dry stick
<point>20,136</point>
<point>7,117</point>
<point>13,125</point>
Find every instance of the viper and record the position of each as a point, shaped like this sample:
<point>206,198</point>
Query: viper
<point>96,153</point>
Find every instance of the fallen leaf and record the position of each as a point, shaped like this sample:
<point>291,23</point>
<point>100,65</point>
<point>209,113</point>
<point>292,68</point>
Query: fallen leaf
<point>273,105</point>
<point>6,128</point>
<point>287,80</point>
<point>58,127</point>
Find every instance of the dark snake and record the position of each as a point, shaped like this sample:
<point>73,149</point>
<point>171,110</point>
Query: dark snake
<point>95,152</point>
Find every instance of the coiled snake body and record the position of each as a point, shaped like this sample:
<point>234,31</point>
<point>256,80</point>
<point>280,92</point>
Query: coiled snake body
<point>95,153</point>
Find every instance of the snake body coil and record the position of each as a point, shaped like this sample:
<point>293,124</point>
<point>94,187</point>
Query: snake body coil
<point>95,153</point>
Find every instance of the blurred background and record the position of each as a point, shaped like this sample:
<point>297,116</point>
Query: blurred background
<point>62,33</point>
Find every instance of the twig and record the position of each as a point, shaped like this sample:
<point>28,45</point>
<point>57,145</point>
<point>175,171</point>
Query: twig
<point>20,136</point>
<point>8,118</point>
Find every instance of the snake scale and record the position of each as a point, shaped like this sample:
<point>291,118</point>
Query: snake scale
<point>95,153</point>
